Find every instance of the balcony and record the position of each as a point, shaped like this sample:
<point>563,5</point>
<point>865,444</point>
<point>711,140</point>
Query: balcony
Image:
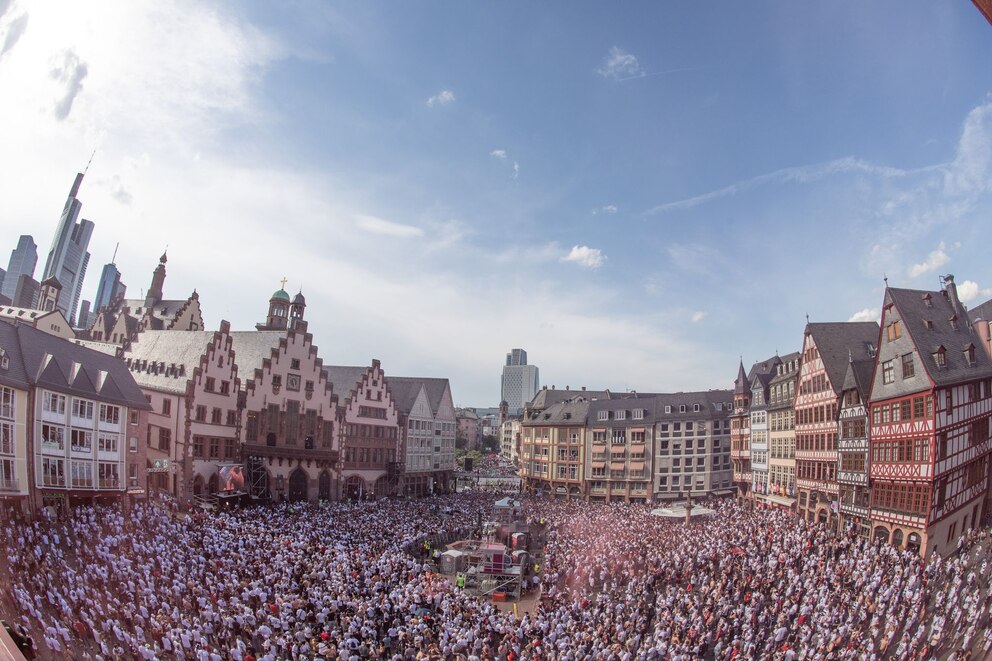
<point>290,452</point>
<point>9,484</point>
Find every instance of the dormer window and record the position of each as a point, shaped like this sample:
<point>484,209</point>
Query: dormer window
<point>954,322</point>
<point>928,300</point>
<point>940,357</point>
<point>928,323</point>
<point>969,355</point>
<point>621,415</point>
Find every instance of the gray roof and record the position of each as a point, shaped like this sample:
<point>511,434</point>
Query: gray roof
<point>741,382</point>
<point>253,347</point>
<point>839,342</point>
<point>546,397</point>
<point>913,309</point>
<point>983,312</point>
<point>344,378</point>
<point>858,377</point>
<point>787,376</point>
<point>178,351</point>
<point>65,366</point>
<point>570,412</point>
<point>15,375</point>
<point>404,390</point>
<point>707,400</point>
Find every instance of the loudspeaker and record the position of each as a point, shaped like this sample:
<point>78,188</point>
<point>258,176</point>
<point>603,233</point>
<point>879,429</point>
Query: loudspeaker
<point>468,464</point>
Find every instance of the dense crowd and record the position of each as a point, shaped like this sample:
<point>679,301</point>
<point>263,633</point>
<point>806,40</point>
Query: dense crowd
<point>346,581</point>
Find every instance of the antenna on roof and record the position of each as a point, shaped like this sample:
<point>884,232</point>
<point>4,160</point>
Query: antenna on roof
<point>807,317</point>
<point>885,277</point>
<point>87,168</point>
<point>113,260</point>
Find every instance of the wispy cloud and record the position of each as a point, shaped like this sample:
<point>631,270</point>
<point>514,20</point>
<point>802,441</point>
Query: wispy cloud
<point>697,316</point>
<point>590,258</point>
<point>11,29</point>
<point>385,227</point>
<point>498,153</point>
<point>968,291</point>
<point>619,64</point>
<point>800,175</point>
<point>934,261</point>
<point>868,314</point>
<point>442,98</point>
<point>516,170</point>
<point>69,71</point>
<point>609,209</point>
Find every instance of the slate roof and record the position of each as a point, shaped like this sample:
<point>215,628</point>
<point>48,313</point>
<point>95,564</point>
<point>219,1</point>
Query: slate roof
<point>546,397</point>
<point>163,311</point>
<point>707,400</point>
<point>165,360</point>
<point>570,412</point>
<point>858,377</point>
<point>15,375</point>
<point>983,312</point>
<point>252,347</point>
<point>838,342</point>
<point>65,366</point>
<point>913,309</point>
<point>405,389</point>
<point>10,313</point>
<point>344,378</point>
<point>741,382</point>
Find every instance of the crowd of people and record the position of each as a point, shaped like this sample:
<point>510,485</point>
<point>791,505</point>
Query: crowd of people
<point>347,581</point>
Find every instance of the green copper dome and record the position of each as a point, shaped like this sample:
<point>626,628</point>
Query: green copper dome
<point>281,295</point>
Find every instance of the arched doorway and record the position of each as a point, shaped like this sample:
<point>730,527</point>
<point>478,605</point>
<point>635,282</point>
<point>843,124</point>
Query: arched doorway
<point>198,485</point>
<point>354,488</point>
<point>913,542</point>
<point>383,487</point>
<point>324,486</point>
<point>897,538</point>
<point>881,533</point>
<point>821,516</point>
<point>298,483</point>
<point>213,484</point>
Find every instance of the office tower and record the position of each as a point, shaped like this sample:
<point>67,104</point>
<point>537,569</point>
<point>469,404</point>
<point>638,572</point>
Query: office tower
<point>520,381</point>
<point>23,260</point>
<point>68,257</point>
<point>26,293</point>
<point>110,286</point>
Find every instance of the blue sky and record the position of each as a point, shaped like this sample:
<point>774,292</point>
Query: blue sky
<point>637,194</point>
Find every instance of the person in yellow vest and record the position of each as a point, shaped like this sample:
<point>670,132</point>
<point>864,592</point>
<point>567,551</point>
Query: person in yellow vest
<point>460,581</point>
<point>537,568</point>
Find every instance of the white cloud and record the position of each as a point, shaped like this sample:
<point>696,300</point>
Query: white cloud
<point>442,98</point>
<point>971,171</point>
<point>386,227</point>
<point>609,209</point>
<point>498,153</point>
<point>619,65</point>
<point>868,314</point>
<point>969,290</point>
<point>590,258</point>
<point>934,261</point>
<point>698,316</point>
<point>69,72</point>
<point>516,170</point>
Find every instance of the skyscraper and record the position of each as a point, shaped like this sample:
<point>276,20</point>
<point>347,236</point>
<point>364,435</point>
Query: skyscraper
<point>520,381</point>
<point>68,258</point>
<point>110,286</point>
<point>23,259</point>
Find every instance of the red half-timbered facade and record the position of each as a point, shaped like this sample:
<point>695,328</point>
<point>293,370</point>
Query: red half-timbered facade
<point>931,402</point>
<point>827,350</point>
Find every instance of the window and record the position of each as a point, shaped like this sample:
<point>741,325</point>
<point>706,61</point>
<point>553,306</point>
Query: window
<point>637,414</point>
<point>908,368</point>
<point>603,415</point>
<point>215,448</point>
<point>620,415</point>
<point>110,414</point>
<point>166,406</point>
<point>201,413</point>
<point>232,418</point>
<point>80,440</point>
<point>215,415</point>
<point>82,474</point>
<point>681,408</point>
<point>53,472</point>
<point>276,380</point>
<point>164,439</point>
<point>939,357</point>
<point>53,403</point>
<point>893,331</point>
<point>888,372</point>
<point>132,474</point>
<point>52,437</point>
<point>210,384</point>
<point>225,387</point>
<point>132,444</point>
<point>133,417</point>
<point>6,403</point>
<point>6,438</point>
<point>668,409</point>
<point>198,447</point>
<point>106,443</point>
<point>108,475</point>
<point>695,408</point>
<point>294,364</point>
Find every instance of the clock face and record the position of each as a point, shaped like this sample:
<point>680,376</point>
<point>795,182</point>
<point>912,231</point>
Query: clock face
<point>293,382</point>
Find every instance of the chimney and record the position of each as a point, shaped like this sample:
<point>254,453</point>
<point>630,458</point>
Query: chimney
<point>583,387</point>
<point>566,387</point>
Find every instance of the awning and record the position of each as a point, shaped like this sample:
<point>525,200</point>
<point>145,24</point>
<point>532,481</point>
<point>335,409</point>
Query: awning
<point>618,449</point>
<point>617,466</point>
<point>637,447</point>
<point>637,465</point>
<point>599,464</point>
